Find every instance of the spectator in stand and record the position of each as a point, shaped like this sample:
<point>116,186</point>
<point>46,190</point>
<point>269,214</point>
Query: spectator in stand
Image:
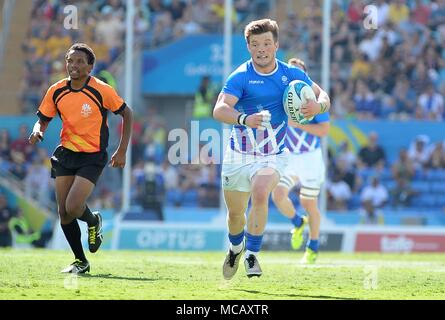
<point>437,17</point>
<point>208,192</point>
<point>398,11</point>
<point>402,193</point>
<point>361,67</point>
<point>372,155</point>
<point>345,155</point>
<point>153,150</point>
<point>418,152</point>
<point>137,147</point>
<point>343,106</point>
<point>367,106</point>
<point>202,14</point>
<point>18,165</point>
<point>431,104</point>
<point>437,157</point>
<point>162,30</point>
<point>186,25</point>
<point>58,42</point>
<point>405,99</point>
<point>422,12</point>
<point>355,12</point>
<point>37,181</point>
<point>5,145</point>
<point>6,213</point>
<point>21,144</point>
<point>382,12</point>
<point>379,82</point>
<point>373,198</point>
<point>371,45</point>
<point>177,8</point>
<point>111,29</point>
<point>347,174</point>
<point>389,107</point>
<point>156,9</point>
<point>403,167</point>
<point>339,193</point>
<point>420,79</point>
<point>205,98</point>
<point>171,176</point>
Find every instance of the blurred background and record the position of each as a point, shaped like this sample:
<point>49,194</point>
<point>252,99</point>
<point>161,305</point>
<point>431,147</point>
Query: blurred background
<point>385,188</point>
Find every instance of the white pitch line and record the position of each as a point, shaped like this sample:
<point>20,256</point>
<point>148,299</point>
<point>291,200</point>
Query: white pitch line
<point>328,263</point>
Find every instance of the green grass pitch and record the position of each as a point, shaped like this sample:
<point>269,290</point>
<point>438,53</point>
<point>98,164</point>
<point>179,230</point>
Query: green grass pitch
<point>162,275</point>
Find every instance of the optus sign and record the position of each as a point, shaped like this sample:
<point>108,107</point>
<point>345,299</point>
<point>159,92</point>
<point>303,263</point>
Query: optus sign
<point>405,243</point>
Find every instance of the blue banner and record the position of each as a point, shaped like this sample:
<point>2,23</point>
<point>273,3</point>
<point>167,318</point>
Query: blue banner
<point>165,237</point>
<point>178,67</point>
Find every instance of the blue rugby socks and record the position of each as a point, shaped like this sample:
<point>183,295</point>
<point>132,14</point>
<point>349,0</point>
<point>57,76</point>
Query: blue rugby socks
<point>236,242</point>
<point>253,244</point>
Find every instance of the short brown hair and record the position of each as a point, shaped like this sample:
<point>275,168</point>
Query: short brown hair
<point>260,27</point>
<point>84,48</point>
<point>298,63</point>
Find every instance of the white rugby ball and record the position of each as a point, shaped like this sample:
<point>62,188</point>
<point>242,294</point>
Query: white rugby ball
<point>296,94</point>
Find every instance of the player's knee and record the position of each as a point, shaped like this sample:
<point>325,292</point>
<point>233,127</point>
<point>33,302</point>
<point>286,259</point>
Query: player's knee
<point>236,214</point>
<point>73,208</point>
<point>64,217</point>
<point>279,194</point>
<point>260,195</point>
<point>61,211</point>
<point>308,203</point>
<point>236,219</point>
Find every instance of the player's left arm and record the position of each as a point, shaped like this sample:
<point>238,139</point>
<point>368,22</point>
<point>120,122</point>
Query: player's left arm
<point>321,105</point>
<point>320,129</point>
<point>118,159</point>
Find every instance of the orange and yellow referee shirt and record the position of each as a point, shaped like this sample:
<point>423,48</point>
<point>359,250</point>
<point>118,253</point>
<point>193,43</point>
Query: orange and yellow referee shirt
<point>83,113</point>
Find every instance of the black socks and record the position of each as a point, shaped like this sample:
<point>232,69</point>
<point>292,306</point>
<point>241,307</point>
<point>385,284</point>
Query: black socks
<point>72,235</point>
<point>88,217</point>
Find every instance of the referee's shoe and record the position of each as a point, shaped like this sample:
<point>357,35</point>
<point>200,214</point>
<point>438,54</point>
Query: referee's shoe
<point>95,234</point>
<point>78,266</point>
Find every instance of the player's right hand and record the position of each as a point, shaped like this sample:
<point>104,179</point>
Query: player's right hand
<point>258,120</point>
<point>35,137</point>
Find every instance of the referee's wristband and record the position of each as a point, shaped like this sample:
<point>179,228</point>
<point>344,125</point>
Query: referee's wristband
<point>242,119</point>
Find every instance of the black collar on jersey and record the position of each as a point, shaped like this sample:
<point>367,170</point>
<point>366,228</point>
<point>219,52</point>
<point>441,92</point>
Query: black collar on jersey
<point>78,90</point>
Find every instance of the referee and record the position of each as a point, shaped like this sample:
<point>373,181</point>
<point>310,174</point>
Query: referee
<point>82,102</point>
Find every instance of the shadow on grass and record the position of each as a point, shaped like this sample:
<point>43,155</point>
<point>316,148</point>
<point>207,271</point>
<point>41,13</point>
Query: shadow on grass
<point>291,295</point>
<point>113,277</point>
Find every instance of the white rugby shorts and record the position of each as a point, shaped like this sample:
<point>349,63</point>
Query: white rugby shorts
<point>238,169</point>
<point>309,167</point>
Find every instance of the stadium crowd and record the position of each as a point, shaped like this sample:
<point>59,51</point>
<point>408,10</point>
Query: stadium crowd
<point>101,23</point>
<point>414,179</point>
<point>394,69</point>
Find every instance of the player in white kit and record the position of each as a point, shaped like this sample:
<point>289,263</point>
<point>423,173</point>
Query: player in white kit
<point>306,166</point>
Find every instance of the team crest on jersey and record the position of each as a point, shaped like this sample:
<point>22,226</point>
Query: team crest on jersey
<point>86,110</point>
<point>284,80</point>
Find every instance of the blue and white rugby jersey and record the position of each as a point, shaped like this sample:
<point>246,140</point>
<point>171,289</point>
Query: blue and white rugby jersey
<point>299,141</point>
<point>256,92</point>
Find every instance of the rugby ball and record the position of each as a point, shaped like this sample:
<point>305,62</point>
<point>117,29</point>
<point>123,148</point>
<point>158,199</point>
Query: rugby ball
<point>296,94</point>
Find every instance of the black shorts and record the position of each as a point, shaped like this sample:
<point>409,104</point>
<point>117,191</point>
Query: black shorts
<point>83,164</point>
